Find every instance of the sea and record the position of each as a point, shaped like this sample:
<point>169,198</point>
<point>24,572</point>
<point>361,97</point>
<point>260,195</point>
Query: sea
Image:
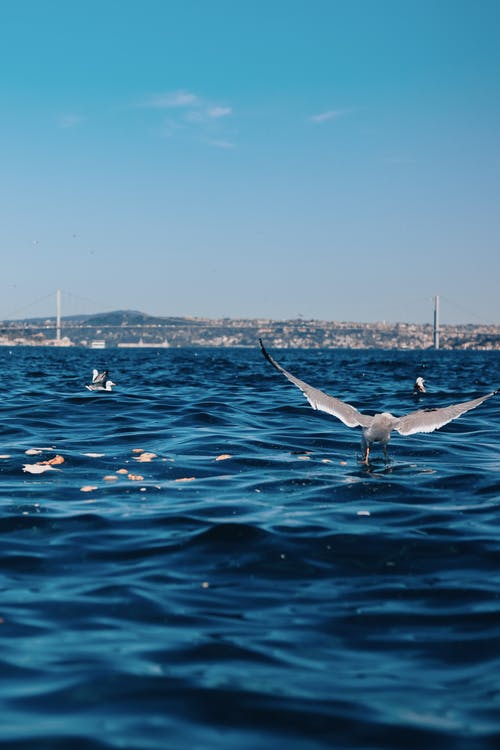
<point>198,560</point>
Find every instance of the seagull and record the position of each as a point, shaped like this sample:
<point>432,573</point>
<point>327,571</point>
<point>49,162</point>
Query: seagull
<point>378,428</point>
<point>100,381</point>
<point>419,386</point>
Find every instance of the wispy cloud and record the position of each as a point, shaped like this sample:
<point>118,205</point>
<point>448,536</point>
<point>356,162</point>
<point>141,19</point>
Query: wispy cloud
<point>187,110</point>
<point>331,114</point>
<point>170,127</point>
<point>206,113</point>
<point>216,112</point>
<point>197,108</point>
<point>221,144</point>
<point>69,120</point>
<point>172,100</point>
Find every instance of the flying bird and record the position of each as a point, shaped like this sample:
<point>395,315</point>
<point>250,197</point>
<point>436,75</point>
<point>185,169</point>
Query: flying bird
<point>378,428</point>
<point>100,381</point>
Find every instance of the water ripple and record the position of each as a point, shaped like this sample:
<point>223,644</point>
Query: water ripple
<point>210,566</point>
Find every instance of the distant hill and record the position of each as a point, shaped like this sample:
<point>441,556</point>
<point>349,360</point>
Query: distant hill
<point>116,317</point>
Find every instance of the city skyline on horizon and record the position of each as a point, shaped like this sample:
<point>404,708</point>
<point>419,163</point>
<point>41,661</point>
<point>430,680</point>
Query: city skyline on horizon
<point>133,329</point>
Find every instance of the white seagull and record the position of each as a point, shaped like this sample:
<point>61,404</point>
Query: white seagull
<point>100,381</point>
<point>419,386</point>
<point>378,428</point>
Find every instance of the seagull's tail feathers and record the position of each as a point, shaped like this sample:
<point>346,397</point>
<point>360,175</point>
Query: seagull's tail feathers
<point>347,414</point>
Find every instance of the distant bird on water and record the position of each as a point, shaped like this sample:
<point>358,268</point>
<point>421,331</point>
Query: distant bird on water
<point>100,381</point>
<point>378,428</point>
<point>419,386</point>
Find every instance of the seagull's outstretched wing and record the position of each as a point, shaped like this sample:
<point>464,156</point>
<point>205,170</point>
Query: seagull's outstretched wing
<point>321,401</point>
<point>428,420</point>
<point>99,378</point>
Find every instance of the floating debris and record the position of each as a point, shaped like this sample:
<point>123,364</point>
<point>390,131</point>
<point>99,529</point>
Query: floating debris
<point>135,478</point>
<point>33,451</point>
<point>110,478</point>
<point>88,488</point>
<point>94,455</point>
<point>223,457</point>
<point>144,457</point>
<point>52,462</point>
<point>37,468</point>
<point>4,455</point>
<point>42,466</point>
<point>122,471</point>
<point>186,479</point>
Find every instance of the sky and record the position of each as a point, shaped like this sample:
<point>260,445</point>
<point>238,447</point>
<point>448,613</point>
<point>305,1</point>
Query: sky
<point>266,159</point>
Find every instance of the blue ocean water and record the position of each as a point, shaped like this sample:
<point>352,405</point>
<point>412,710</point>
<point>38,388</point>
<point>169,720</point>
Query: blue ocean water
<point>210,567</point>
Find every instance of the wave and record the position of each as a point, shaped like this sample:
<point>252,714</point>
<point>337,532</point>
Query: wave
<point>211,566</point>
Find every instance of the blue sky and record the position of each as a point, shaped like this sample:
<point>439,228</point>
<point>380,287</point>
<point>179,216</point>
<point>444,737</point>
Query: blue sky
<point>335,160</point>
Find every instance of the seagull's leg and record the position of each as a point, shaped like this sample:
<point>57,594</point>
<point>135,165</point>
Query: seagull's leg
<point>365,447</point>
<point>385,452</point>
